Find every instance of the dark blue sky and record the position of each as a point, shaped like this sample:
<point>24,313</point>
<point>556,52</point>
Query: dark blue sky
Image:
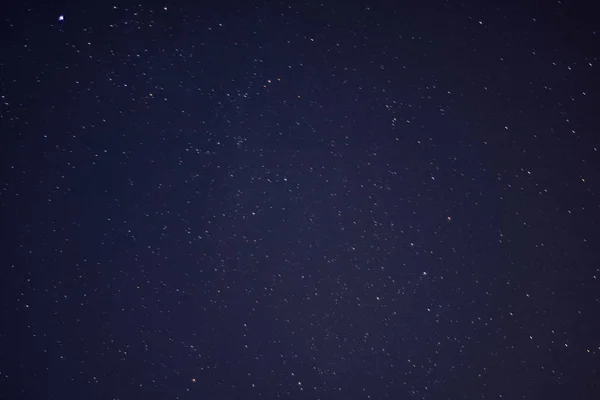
<point>287,200</point>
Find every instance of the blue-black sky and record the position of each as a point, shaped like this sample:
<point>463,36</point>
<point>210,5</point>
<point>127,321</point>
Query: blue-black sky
<point>285,200</point>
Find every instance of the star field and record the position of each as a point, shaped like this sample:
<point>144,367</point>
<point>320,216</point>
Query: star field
<point>285,200</point>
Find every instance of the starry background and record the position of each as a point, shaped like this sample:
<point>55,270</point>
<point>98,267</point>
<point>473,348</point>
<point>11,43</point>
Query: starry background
<point>306,201</point>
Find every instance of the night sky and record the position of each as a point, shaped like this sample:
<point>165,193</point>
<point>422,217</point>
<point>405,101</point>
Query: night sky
<point>282,200</point>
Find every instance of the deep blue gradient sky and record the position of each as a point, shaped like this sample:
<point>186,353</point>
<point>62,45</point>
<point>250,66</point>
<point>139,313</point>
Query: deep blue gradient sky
<point>281,200</point>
